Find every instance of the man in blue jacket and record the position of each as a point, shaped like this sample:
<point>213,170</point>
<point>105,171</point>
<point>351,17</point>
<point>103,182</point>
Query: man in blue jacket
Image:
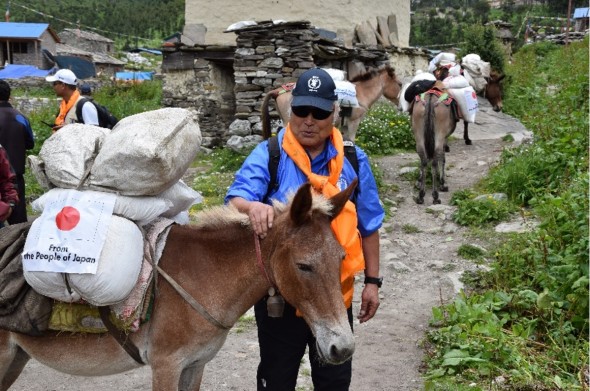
<point>16,136</point>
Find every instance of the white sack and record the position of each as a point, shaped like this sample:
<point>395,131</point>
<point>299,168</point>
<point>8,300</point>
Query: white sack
<point>181,197</point>
<point>336,74</point>
<point>52,285</point>
<point>139,209</point>
<point>147,153</point>
<point>455,82</point>
<point>69,151</point>
<point>118,267</point>
<point>346,92</point>
<point>467,100</point>
<point>441,59</point>
<point>37,167</point>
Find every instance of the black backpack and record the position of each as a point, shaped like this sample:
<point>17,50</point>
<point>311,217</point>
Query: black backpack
<point>105,118</point>
<point>274,155</point>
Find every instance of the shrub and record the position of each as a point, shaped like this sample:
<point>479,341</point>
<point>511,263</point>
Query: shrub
<point>385,130</point>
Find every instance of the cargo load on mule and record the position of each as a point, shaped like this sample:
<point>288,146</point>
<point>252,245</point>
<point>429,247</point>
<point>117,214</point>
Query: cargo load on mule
<point>111,197</point>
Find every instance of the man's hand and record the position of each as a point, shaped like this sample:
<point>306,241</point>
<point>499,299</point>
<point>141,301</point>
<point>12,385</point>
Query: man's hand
<point>261,217</point>
<point>369,302</point>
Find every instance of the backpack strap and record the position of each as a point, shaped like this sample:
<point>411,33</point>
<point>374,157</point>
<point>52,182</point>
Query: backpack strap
<point>79,105</point>
<point>274,156</point>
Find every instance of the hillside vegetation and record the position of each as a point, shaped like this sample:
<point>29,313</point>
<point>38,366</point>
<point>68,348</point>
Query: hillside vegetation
<point>524,324</point>
<point>128,22</point>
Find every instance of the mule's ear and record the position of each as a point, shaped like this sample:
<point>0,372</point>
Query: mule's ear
<point>501,78</point>
<point>339,200</point>
<point>301,205</point>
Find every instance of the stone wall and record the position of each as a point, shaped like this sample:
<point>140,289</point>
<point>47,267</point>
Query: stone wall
<point>339,16</point>
<point>266,56</point>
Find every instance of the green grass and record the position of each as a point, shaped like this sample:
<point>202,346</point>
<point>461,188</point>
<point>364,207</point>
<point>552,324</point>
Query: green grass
<point>526,320</point>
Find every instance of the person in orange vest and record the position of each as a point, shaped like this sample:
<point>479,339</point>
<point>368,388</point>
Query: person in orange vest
<point>65,85</point>
<point>8,193</point>
<point>312,150</point>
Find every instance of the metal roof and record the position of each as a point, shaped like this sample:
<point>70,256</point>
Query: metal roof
<point>581,13</point>
<point>22,30</point>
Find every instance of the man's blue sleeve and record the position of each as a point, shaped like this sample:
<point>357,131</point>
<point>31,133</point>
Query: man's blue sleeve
<point>252,179</point>
<point>30,137</point>
<point>369,210</point>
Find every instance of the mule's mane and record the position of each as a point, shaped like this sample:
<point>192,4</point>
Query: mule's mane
<point>224,215</point>
<point>373,72</point>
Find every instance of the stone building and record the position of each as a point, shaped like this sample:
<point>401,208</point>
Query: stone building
<point>224,63</point>
<point>212,18</point>
<point>23,43</point>
<point>88,41</point>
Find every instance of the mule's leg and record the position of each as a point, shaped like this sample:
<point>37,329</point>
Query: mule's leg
<point>190,379</point>
<point>466,133</point>
<point>420,183</point>
<point>435,176</point>
<point>12,361</point>
<point>442,186</point>
<point>166,374</point>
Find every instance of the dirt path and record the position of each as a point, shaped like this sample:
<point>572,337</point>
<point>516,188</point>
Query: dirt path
<point>420,265</point>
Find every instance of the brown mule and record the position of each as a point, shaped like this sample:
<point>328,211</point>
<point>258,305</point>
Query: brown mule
<point>216,262</point>
<point>433,120</point>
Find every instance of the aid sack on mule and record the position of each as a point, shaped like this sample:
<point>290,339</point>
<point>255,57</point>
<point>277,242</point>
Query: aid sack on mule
<point>147,153</point>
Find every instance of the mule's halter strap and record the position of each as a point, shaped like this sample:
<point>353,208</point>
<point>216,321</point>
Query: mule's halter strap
<point>259,260</point>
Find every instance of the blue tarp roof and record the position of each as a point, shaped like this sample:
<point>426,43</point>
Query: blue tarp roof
<point>152,51</point>
<point>581,13</point>
<point>22,30</point>
<point>134,75</point>
<point>13,71</point>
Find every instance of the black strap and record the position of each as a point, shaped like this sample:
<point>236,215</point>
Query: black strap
<point>274,156</point>
<point>120,336</point>
<point>79,116</point>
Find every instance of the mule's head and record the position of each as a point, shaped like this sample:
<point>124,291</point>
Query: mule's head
<point>305,266</point>
<point>493,91</point>
<point>391,84</point>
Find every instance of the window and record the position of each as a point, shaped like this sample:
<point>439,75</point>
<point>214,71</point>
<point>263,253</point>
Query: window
<point>19,47</point>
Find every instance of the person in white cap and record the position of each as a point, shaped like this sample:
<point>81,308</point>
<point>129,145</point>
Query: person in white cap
<point>65,86</point>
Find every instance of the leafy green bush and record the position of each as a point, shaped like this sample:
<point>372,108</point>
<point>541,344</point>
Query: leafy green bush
<point>480,212</point>
<point>385,130</point>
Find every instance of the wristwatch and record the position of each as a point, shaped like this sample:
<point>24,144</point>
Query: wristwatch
<point>11,204</point>
<point>374,280</point>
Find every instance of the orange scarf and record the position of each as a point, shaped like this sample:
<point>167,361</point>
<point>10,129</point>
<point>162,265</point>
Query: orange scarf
<point>344,225</point>
<point>65,107</point>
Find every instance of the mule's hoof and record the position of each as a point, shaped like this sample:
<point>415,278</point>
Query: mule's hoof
<point>436,201</point>
<point>447,149</point>
<point>468,142</point>
<point>419,200</point>
<point>444,188</point>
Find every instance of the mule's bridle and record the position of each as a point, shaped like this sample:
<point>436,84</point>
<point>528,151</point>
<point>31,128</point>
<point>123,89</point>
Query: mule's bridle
<point>259,260</point>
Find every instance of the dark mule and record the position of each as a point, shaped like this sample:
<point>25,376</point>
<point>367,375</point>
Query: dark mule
<point>493,93</point>
<point>218,263</point>
<point>433,120</point>
<point>370,86</point>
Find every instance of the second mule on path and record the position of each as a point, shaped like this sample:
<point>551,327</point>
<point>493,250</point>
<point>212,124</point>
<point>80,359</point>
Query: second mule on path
<point>370,86</point>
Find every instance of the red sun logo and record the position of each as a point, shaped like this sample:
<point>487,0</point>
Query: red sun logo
<point>67,218</point>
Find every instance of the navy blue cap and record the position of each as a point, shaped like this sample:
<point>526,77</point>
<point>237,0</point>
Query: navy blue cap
<point>85,89</point>
<point>316,88</point>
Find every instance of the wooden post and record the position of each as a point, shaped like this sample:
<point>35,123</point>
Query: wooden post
<point>569,12</point>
